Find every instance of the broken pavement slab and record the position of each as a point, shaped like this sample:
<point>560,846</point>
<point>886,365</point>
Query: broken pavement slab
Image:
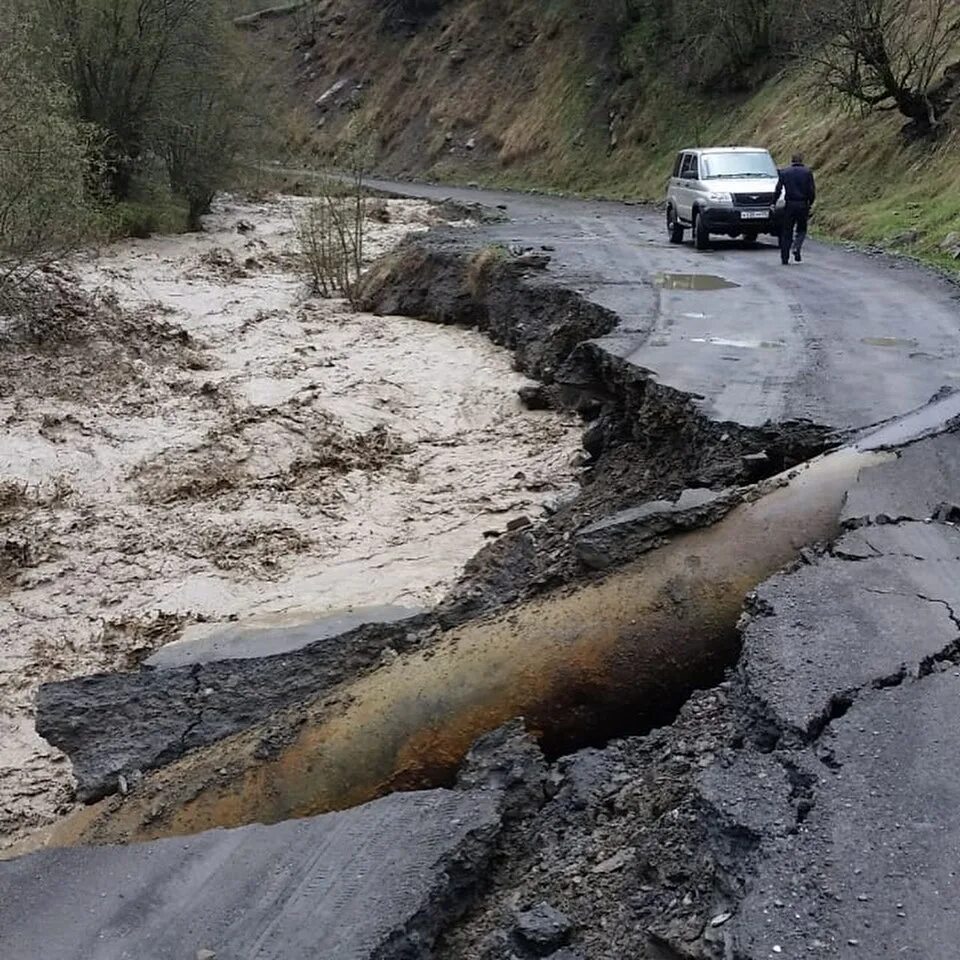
<point>850,667</point>
<point>124,724</point>
<point>830,629</point>
<point>625,535</point>
<point>920,484</point>
<point>378,881</point>
<point>255,642</point>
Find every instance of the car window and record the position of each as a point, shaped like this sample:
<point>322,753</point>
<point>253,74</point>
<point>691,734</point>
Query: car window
<point>677,165</point>
<point>690,167</point>
<point>757,163</point>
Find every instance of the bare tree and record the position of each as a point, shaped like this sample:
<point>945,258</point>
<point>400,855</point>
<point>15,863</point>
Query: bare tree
<point>887,55</point>
<point>332,230</point>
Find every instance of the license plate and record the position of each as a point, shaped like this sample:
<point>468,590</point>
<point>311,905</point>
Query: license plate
<point>753,214</point>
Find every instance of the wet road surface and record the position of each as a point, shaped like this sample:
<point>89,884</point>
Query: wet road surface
<point>843,339</point>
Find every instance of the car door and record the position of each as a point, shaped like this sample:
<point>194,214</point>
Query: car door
<point>689,174</point>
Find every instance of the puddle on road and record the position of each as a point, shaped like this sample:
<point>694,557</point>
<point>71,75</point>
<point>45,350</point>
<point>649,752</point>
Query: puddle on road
<point>691,281</point>
<point>888,342</point>
<point>746,344</point>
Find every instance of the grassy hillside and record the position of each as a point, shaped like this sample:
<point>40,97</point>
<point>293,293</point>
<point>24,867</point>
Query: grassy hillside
<point>534,93</point>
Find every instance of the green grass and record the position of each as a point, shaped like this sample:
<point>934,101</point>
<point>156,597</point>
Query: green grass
<point>143,218</point>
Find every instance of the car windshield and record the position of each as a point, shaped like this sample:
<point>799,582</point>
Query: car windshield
<point>719,166</point>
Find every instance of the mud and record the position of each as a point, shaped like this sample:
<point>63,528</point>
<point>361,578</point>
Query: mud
<point>647,442</point>
<point>651,846</point>
<point>198,447</point>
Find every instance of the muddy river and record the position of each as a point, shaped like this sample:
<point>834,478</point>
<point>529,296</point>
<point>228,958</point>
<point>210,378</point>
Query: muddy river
<point>273,460</point>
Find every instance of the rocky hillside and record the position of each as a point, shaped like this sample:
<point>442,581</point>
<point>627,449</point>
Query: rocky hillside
<point>582,98</point>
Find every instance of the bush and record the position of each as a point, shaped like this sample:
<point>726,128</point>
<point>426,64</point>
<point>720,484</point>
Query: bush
<point>159,78</point>
<point>46,207</point>
<point>708,44</point>
<point>331,233</point>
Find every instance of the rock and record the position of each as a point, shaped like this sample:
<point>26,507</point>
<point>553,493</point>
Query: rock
<point>535,397</point>
<point>206,955</point>
<point>378,211</point>
<point>617,862</point>
<point>950,245</point>
<point>627,534</point>
<point>509,761</point>
<point>555,504</point>
<point>245,226</point>
<point>756,465</point>
<point>543,930</point>
<point>324,99</point>
<point>471,143</point>
<point>495,946</point>
<point>519,523</point>
<point>534,261</point>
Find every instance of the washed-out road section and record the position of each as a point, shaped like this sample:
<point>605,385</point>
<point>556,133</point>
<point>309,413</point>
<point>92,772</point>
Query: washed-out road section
<point>850,660</point>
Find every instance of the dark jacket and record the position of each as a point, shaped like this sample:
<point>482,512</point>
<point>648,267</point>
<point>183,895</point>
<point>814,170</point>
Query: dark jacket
<point>797,183</point>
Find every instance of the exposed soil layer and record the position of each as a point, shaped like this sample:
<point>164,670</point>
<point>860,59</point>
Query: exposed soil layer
<point>738,831</point>
<point>681,843</point>
<point>193,446</point>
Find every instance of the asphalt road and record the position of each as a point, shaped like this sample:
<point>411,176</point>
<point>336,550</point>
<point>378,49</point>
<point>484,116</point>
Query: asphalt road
<point>340,887</point>
<point>843,339</point>
<point>856,660</point>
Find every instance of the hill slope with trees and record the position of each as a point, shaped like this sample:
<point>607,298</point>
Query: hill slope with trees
<point>596,98</point>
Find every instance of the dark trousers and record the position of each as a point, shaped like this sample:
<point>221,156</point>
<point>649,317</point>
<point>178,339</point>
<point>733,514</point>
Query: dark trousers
<point>794,228</point>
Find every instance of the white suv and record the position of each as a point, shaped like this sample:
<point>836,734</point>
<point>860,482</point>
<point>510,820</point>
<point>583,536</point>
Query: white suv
<point>722,190</point>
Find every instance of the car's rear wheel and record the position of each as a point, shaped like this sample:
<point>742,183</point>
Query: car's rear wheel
<point>701,235</point>
<point>674,227</point>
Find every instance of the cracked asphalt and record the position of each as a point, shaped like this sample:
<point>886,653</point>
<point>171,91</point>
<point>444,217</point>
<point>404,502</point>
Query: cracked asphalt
<point>854,660</point>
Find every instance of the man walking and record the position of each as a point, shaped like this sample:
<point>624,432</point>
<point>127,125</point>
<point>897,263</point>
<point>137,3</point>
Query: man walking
<point>796,183</point>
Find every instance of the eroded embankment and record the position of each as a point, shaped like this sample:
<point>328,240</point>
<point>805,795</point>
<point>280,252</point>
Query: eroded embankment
<point>645,855</point>
<point>581,665</point>
<point>740,830</point>
<point>647,443</point>
<point>194,449</point>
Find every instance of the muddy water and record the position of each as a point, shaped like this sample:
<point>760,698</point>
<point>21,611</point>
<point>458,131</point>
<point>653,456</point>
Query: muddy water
<point>692,281</point>
<point>312,460</point>
<point>600,659</point>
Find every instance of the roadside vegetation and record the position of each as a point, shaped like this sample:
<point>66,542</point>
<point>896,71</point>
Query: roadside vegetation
<point>332,229</point>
